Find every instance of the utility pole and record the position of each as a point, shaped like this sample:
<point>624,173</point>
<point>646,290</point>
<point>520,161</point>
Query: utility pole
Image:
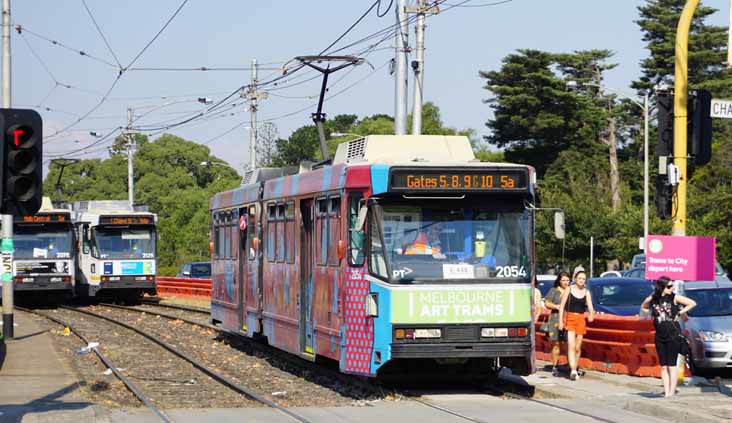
<point>400,73</point>
<point>729,37</point>
<point>681,94</point>
<point>6,247</point>
<point>130,159</point>
<point>646,113</point>
<point>421,10</point>
<point>253,97</point>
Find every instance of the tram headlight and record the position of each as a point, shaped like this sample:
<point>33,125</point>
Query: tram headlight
<point>487,332</point>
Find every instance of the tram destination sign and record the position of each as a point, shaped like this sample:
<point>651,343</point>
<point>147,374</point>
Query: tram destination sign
<point>125,220</point>
<point>43,218</point>
<point>416,179</point>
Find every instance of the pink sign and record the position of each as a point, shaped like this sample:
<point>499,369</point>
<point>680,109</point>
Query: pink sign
<point>688,258</point>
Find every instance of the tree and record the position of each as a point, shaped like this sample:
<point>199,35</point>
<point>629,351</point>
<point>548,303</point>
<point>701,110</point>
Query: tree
<point>169,178</point>
<point>707,46</point>
<point>267,138</point>
<point>536,116</point>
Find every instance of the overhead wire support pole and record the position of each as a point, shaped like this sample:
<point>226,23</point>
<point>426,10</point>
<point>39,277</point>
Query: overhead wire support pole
<point>681,94</point>
<point>319,116</point>
<point>6,247</point>
<point>421,10</point>
<point>253,96</point>
<point>400,69</point>
<point>130,159</point>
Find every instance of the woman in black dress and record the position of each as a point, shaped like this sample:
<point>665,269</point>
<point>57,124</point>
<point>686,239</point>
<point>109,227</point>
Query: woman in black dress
<point>552,301</point>
<point>664,305</point>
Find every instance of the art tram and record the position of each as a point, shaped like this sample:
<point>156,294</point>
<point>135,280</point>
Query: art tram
<point>43,260</point>
<point>117,250</point>
<point>404,250</point>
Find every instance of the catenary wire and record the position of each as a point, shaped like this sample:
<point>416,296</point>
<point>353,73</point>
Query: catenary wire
<point>158,34</point>
<point>101,33</point>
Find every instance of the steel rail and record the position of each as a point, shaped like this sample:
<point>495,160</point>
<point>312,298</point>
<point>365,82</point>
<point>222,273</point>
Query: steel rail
<point>205,369</point>
<point>128,383</point>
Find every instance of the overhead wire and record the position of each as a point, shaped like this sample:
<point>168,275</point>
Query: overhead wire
<point>109,47</point>
<point>462,4</point>
<point>158,33</point>
<point>22,29</point>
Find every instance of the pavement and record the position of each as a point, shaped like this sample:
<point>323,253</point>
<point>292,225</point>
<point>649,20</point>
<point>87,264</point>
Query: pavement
<point>35,385</point>
<point>698,399</point>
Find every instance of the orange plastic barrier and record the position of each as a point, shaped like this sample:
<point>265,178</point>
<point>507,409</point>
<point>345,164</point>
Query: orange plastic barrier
<point>613,344</point>
<point>184,287</point>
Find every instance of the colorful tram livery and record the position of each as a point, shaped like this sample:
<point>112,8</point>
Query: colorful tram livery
<point>405,251</point>
<point>43,259</point>
<point>117,254</point>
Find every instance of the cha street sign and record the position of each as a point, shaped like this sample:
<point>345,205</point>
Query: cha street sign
<point>721,109</point>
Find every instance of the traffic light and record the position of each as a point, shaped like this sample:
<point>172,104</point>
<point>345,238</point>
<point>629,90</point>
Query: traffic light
<point>700,141</point>
<point>665,146</point>
<point>664,194</point>
<point>21,173</point>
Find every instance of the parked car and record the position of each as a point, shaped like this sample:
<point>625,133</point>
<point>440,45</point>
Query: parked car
<point>709,325</point>
<point>619,296</point>
<point>199,269</point>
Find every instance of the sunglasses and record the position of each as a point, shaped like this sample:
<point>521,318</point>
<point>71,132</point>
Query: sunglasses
<point>670,286</point>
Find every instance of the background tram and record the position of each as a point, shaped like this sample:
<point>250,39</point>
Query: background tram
<point>117,256</point>
<point>43,260</point>
<point>323,262</point>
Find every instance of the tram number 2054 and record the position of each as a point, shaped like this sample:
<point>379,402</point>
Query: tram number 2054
<point>510,271</point>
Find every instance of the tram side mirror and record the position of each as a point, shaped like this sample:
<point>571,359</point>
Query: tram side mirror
<point>362,211</point>
<point>255,244</point>
<point>559,225</point>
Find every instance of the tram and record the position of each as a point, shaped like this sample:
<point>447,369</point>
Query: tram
<point>43,259</point>
<point>117,250</point>
<point>403,250</point>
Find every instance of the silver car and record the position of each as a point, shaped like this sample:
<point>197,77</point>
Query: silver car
<point>709,324</point>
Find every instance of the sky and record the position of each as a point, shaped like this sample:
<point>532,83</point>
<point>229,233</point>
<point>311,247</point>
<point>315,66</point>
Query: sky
<point>459,42</point>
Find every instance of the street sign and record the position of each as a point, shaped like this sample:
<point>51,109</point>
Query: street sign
<point>688,258</point>
<point>721,108</point>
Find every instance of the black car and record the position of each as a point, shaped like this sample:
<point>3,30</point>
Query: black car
<point>198,269</point>
<point>619,296</point>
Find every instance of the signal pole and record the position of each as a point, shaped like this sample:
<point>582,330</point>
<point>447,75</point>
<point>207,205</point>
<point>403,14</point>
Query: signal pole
<point>6,247</point>
<point>130,159</point>
<point>400,73</point>
<point>681,89</point>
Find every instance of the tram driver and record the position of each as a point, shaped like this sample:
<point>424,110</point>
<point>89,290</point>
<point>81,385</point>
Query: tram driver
<point>427,242</point>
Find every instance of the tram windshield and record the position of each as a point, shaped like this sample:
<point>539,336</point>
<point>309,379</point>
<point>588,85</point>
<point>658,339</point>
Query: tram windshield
<point>123,243</point>
<point>447,242</point>
<point>42,242</point>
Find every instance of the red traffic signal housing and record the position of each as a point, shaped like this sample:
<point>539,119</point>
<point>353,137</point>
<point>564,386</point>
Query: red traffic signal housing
<point>22,161</point>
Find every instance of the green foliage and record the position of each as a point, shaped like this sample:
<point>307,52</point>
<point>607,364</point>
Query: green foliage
<point>169,178</point>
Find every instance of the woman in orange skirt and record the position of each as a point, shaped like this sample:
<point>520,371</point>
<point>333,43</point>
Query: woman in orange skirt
<point>576,301</point>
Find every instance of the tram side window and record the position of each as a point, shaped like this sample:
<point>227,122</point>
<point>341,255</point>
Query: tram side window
<point>227,236</point>
<point>377,262</point>
<point>251,232</point>
<point>334,230</point>
<point>220,237</point>
<point>281,236</point>
<point>234,231</point>
<point>271,232</point>
<point>290,232</point>
<point>355,236</point>
<point>321,232</point>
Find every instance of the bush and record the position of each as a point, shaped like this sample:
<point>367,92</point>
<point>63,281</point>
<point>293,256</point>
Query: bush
<point>168,271</point>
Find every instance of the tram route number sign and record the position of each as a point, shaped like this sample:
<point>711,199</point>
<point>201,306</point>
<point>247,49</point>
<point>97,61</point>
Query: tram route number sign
<point>458,180</point>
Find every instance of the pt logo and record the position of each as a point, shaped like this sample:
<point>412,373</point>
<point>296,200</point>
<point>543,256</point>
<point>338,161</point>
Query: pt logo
<point>401,273</point>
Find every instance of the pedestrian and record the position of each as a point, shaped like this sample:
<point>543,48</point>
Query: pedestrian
<point>537,299</point>
<point>664,308</point>
<point>552,302</point>
<point>576,301</point>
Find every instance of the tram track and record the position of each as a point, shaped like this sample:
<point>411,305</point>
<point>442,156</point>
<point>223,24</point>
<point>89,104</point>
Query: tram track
<point>510,389</point>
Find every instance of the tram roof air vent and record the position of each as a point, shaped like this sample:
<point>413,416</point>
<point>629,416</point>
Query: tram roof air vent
<point>356,149</point>
<point>247,177</point>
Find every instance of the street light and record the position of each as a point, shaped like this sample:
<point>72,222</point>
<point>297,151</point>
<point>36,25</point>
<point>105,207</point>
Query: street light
<point>645,106</point>
<point>214,163</point>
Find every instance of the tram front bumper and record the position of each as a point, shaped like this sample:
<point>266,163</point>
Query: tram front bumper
<point>460,350</point>
<point>124,283</point>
